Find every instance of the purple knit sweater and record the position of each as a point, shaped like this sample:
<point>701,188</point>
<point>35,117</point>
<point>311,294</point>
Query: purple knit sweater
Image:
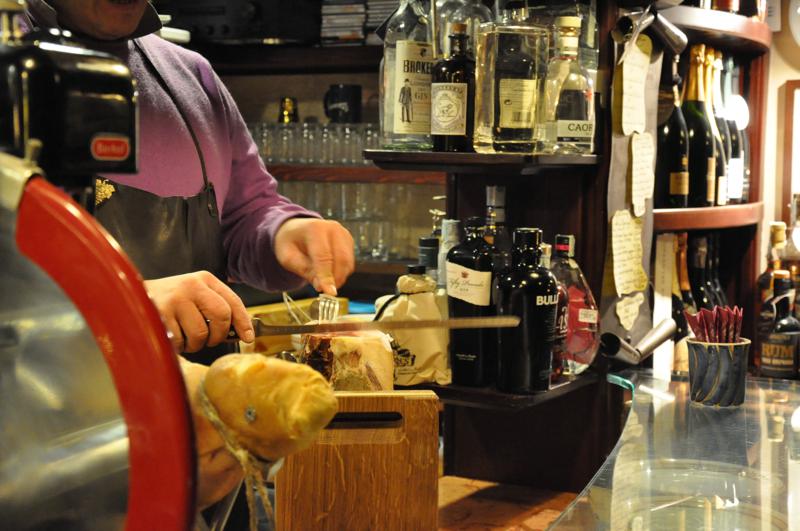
<point>251,209</point>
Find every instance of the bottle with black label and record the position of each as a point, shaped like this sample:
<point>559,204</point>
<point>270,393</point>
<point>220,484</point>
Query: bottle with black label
<point>529,291</point>
<point>779,350</point>
<point>702,152</point>
<point>469,293</point>
<point>672,163</point>
<point>453,96</point>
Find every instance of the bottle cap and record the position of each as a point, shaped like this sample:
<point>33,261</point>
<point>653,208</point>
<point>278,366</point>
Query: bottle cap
<point>565,245</point>
<point>568,22</point>
<point>527,237</point>
<point>496,196</point>
<point>416,269</point>
<point>777,233</point>
<point>474,222</point>
<point>457,28</point>
<point>429,241</point>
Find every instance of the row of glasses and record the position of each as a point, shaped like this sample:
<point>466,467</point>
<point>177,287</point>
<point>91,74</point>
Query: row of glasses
<point>315,143</point>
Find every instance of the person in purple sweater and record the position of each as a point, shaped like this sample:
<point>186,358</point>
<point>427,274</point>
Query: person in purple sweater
<point>202,208</point>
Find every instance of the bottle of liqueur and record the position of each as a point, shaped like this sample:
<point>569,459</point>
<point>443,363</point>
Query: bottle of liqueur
<point>765,316</point>
<point>779,349</point>
<point>453,96</point>
<point>568,110</point>
<point>736,162</point>
<point>287,113</point>
<point>712,271</point>
<point>530,292</point>
<point>508,81</point>
<point>469,290</point>
<point>672,163</point>
<point>406,74</point>
<point>497,234</point>
<point>720,164</point>
<point>683,273</point>
<point>698,254</point>
<point>583,337</point>
<point>720,116</point>
<point>472,13</point>
<point>702,154</point>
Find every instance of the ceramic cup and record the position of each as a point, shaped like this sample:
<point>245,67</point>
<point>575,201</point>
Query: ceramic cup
<point>717,372</point>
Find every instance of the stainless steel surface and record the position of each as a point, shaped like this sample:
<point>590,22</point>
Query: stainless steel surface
<point>680,465</point>
<point>63,444</point>
<point>616,348</point>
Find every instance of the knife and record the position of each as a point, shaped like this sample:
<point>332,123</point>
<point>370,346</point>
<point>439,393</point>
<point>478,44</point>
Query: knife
<point>262,329</point>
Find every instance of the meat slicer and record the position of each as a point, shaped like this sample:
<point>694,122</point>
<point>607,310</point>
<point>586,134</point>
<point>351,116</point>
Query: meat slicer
<point>95,431</point>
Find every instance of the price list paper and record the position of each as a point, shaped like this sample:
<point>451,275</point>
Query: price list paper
<point>626,246</point>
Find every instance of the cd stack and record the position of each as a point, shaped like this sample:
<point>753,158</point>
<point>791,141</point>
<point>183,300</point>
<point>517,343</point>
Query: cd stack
<point>377,12</point>
<point>343,22</point>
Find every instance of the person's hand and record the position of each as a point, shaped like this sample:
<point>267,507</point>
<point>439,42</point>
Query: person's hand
<point>198,309</point>
<point>320,251</point>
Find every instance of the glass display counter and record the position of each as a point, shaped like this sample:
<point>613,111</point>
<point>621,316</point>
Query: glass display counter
<point>683,466</point>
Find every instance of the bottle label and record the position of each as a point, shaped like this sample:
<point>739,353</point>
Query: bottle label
<point>517,103</point>
<point>412,88</point>
<point>468,285</point>
<point>778,353</point>
<point>575,130</point>
<point>587,315</point>
<point>711,180</point>
<point>679,183</point>
<point>735,178</point>
<point>449,109</point>
<point>722,191</point>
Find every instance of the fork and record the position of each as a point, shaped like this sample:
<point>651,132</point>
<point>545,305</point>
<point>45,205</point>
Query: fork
<point>328,307</point>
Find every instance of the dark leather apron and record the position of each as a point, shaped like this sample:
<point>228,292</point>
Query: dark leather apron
<point>166,236</point>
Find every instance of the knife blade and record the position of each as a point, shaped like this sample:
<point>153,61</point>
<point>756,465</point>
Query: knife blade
<point>262,329</point>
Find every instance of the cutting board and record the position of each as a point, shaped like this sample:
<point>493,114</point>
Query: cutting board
<point>374,468</point>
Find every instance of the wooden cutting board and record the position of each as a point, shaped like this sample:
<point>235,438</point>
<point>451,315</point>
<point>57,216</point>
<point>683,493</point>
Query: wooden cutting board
<point>374,468</point>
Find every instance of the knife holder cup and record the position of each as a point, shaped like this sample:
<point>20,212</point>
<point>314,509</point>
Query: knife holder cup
<point>374,467</point>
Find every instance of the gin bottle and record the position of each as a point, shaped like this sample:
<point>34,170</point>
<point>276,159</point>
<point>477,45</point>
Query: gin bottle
<point>453,96</point>
<point>406,78</point>
<point>568,109</point>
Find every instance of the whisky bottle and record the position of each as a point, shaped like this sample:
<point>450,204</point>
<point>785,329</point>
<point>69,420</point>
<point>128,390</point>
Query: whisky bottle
<point>702,154</point>
<point>683,273</point>
<point>721,122</point>
<point>736,162</point>
<point>469,289</point>
<point>779,349</point>
<point>568,109</point>
<point>720,163</point>
<point>453,96</point>
<point>583,338</point>
<point>698,255</point>
<point>406,73</point>
<point>672,164</point>
<point>530,292</point>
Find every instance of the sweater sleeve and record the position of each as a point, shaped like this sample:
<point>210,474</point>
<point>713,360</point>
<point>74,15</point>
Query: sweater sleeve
<point>253,210</point>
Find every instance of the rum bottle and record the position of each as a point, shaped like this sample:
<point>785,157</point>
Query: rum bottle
<point>702,154</point>
<point>765,285</point>
<point>779,349</point>
<point>672,163</point>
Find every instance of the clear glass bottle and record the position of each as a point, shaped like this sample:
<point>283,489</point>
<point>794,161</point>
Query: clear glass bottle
<point>444,21</point>
<point>405,91</point>
<point>510,56</point>
<point>472,13</point>
<point>567,118</point>
<point>583,337</point>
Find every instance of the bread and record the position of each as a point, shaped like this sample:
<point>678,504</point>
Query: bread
<point>272,407</point>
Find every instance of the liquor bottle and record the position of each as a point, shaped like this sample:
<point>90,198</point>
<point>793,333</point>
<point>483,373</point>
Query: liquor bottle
<point>672,164</point>
<point>509,57</point>
<point>472,13</point>
<point>406,74</point>
<point>721,163</point>
<point>698,254</point>
<point>449,239</point>
<point>720,115</point>
<point>444,21</point>
<point>568,109</point>
<point>429,255</point>
<point>583,337</point>
<point>736,162</point>
<point>702,155</point>
<point>497,234</point>
<point>287,112</point>
<point>453,96</point>
<point>779,349</point>
<point>740,113</point>
<point>683,273</point>
<point>765,315</point>
<point>678,306</point>
<point>469,289</point>
<point>529,291</point>
<point>562,317</point>
<point>712,270</point>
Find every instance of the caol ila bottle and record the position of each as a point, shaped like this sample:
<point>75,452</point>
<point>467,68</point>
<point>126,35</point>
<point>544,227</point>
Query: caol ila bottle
<point>672,163</point>
<point>779,350</point>
<point>453,96</point>
<point>469,289</point>
<point>702,154</point>
<point>529,291</point>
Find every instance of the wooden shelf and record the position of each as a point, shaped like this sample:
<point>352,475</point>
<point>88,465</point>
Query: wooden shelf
<point>681,219</point>
<point>733,33</point>
<point>490,398</point>
<point>252,59</point>
<point>474,162</point>
<point>353,174</point>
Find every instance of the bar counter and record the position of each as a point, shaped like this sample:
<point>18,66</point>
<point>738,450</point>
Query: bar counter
<point>680,465</point>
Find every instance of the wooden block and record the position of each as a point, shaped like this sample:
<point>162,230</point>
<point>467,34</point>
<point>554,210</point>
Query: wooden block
<point>375,467</point>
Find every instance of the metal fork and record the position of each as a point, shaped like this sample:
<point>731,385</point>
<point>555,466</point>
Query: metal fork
<point>328,307</point>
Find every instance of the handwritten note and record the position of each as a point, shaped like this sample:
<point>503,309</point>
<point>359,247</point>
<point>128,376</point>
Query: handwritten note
<point>626,246</point>
<point>634,76</point>
<point>642,176</point>
<point>628,309</point>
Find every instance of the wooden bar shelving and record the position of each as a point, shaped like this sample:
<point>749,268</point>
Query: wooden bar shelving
<point>721,217</point>
<point>727,31</point>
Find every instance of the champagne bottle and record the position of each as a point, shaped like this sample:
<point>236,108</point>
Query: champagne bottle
<point>736,162</point>
<point>683,273</point>
<point>702,156</point>
<point>721,163</point>
<point>722,124</point>
<point>672,163</point>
